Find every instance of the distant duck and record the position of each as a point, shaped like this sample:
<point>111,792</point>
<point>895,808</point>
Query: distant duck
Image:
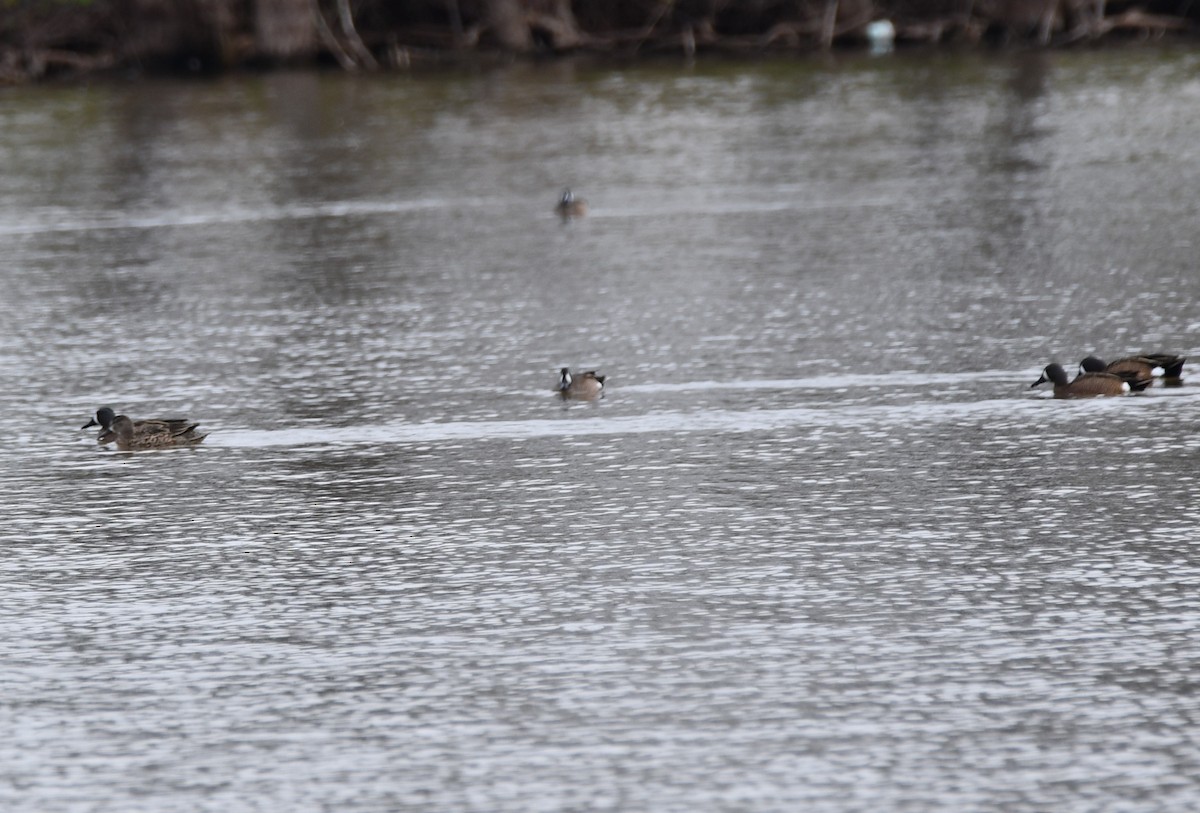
<point>582,387</point>
<point>570,206</point>
<point>150,433</point>
<point>1085,385</point>
<point>1168,365</point>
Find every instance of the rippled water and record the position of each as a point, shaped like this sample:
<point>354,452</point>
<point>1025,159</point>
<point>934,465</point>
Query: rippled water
<point>820,548</point>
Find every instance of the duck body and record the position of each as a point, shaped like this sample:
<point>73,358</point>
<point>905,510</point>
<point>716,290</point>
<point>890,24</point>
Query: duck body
<point>1137,373</point>
<point>1084,385</point>
<point>581,387</point>
<point>570,206</point>
<point>1141,367</point>
<point>149,433</point>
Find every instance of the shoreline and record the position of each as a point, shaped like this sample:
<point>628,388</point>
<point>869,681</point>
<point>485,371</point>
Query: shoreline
<point>73,39</point>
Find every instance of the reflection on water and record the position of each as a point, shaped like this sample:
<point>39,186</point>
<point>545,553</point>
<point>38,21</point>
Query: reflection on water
<point>820,547</point>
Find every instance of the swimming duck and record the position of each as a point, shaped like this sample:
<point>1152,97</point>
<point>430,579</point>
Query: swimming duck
<point>583,387</point>
<point>150,433</point>
<point>570,206</point>
<point>1085,385</point>
<point>1142,366</point>
<point>1137,375</point>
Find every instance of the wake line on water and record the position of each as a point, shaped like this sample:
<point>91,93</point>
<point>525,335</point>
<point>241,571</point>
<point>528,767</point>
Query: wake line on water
<point>856,381</point>
<point>47,222</point>
<point>710,421</point>
<point>67,221</point>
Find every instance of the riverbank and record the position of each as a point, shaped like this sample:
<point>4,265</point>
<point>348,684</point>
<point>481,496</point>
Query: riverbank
<point>63,38</point>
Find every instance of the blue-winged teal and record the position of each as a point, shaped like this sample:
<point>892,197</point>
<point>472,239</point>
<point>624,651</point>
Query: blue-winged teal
<point>1139,374</point>
<point>582,387</point>
<point>151,433</point>
<point>570,206</point>
<point>1085,385</point>
<point>1140,367</point>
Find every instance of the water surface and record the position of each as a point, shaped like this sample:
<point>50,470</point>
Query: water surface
<point>819,548</point>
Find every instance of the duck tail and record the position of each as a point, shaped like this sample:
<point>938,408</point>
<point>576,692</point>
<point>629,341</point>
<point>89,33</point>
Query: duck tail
<point>1172,365</point>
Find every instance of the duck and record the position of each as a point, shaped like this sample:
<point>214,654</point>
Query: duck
<point>1143,366</point>
<point>582,387</point>
<point>570,206</point>
<point>1138,377</point>
<point>149,433</point>
<point>1085,385</point>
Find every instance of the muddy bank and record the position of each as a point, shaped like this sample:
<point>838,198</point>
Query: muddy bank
<point>42,38</point>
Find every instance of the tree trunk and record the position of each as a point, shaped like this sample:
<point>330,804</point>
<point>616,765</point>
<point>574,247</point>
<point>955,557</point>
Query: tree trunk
<point>284,30</point>
<point>828,21</point>
<point>557,21</point>
<point>507,21</point>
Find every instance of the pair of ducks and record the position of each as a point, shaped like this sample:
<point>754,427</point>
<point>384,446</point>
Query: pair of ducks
<point>165,433</point>
<point>152,433</point>
<point>1130,374</point>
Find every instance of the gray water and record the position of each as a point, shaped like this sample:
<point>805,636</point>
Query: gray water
<point>820,547</point>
